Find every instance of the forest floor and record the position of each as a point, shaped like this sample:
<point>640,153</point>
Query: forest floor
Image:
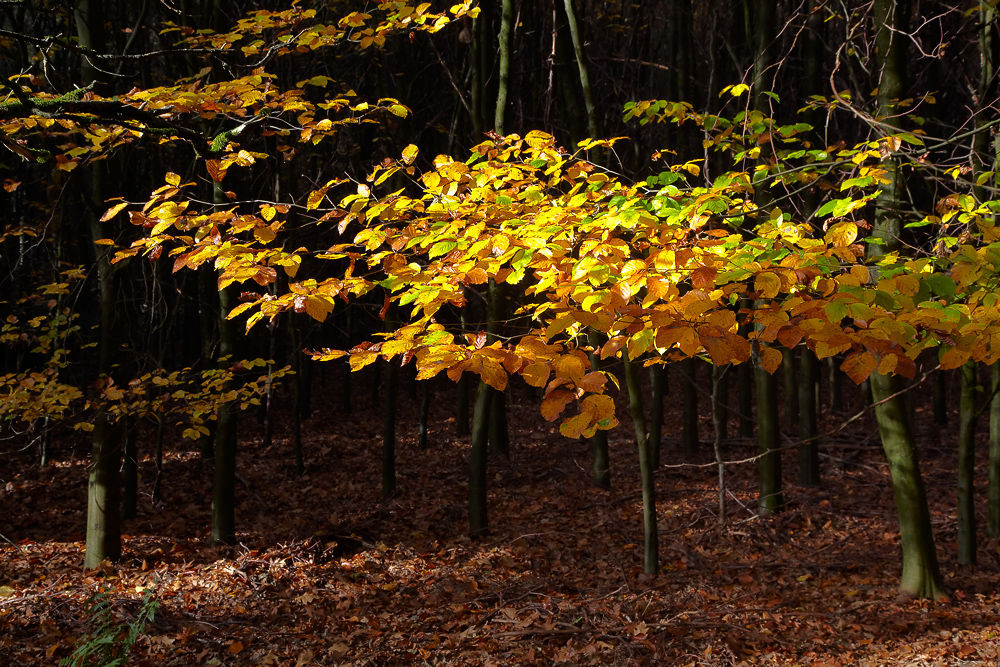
<point>326,573</point>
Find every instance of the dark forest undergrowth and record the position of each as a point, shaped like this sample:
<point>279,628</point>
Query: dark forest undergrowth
<point>328,574</point>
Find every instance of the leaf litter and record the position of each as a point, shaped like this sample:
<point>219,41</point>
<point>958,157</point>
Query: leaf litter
<point>326,573</point>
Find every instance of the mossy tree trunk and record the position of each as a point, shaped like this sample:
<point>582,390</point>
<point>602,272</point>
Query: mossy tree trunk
<point>921,574</point>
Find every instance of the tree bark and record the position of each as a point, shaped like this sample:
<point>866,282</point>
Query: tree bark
<point>505,38</point>
<point>655,413</point>
<point>689,418</point>
<point>809,448</point>
<point>651,551</point>
<point>581,63</point>
<point>601,466</point>
<point>967,467</point>
<point>769,499</point>
<point>993,521</point>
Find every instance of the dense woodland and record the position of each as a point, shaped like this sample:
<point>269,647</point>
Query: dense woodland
<point>499,332</point>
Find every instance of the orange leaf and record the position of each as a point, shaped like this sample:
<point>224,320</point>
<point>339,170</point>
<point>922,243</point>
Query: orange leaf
<point>859,366</point>
<point>555,403</point>
<point>954,358</point>
<point>536,374</point>
<point>769,359</point>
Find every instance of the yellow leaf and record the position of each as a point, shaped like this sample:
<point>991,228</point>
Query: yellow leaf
<point>536,374</point>
<point>569,366</point>
<point>318,308</point>
<point>362,358</point>
<point>767,284</point>
<point>267,212</point>
<point>575,425</point>
<point>493,374</point>
<point>410,154</point>
<point>842,234</point>
<point>393,347</point>
<point>173,179</point>
<point>113,211</point>
<point>264,234</point>
<point>315,199</point>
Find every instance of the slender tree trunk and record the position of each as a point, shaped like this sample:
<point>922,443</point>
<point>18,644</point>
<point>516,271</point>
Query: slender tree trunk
<point>505,39</point>
<point>967,467</point>
<point>651,552</point>
<point>389,378</point>
<point>809,448</point>
<point>993,524</point>
<point>689,418</point>
<point>656,412</point>
<point>104,484</point>
<point>834,377</point>
<point>224,485</point>
<point>130,471</point>
<point>581,63</point>
<point>791,389</point>
<point>744,380</point>
<point>940,398</point>
<point>462,416</point>
<point>389,430</point>
<point>719,417</point>
<point>770,499</point>
<point>601,467</point>
<point>425,407</point>
<point>478,515</point>
<point>921,574</point>
<point>499,432</point>
<point>293,330</point>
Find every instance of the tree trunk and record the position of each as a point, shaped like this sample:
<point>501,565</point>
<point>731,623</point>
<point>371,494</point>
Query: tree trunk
<point>921,575</point>
<point>389,431</point>
<point>993,522</point>
<point>425,406</point>
<point>601,467</point>
<point>224,485</point>
<point>390,375</point>
<point>651,551</point>
<point>719,417</point>
<point>689,419</point>
<point>791,390</point>
<point>655,413</point>
<point>809,448</point>
<point>770,499</point>
<point>504,39</point>
<point>581,63</point>
<point>967,467</point>
<point>478,516</point>
<point>130,470</point>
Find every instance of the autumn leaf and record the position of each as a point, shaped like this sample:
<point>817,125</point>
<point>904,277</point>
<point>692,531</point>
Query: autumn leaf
<point>859,366</point>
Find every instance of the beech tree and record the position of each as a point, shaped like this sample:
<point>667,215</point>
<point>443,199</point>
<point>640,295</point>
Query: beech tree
<point>770,215</point>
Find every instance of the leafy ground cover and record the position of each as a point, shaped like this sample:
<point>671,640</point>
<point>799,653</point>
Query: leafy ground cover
<point>328,574</point>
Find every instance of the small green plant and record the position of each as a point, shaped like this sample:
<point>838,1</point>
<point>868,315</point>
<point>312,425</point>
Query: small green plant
<point>108,644</point>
